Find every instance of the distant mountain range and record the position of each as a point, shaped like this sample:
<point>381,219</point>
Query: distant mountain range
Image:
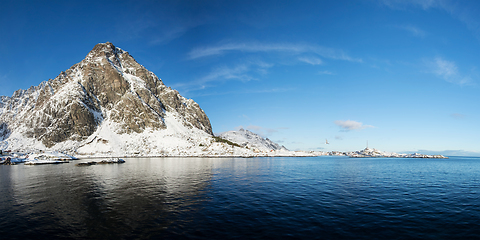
<point>110,104</point>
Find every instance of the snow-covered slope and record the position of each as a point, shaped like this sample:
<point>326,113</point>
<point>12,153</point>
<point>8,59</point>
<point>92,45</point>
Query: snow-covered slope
<point>251,140</point>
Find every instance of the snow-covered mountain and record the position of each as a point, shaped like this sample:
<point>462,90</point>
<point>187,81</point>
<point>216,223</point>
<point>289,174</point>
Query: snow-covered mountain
<point>251,140</point>
<point>106,103</point>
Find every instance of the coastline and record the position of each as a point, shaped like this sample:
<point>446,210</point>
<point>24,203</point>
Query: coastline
<point>60,157</point>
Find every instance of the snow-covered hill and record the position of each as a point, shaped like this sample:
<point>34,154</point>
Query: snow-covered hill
<point>251,140</point>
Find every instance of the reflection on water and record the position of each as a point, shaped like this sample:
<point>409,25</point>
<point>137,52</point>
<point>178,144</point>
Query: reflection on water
<point>139,197</point>
<point>204,198</point>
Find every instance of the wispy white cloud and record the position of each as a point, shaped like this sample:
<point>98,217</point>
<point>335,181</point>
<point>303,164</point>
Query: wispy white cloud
<point>414,30</point>
<point>448,70</point>
<point>403,4</point>
<point>326,73</point>
<point>157,26</point>
<point>226,73</point>
<point>174,32</point>
<point>255,70</point>
<point>311,54</point>
<point>463,11</point>
<point>271,47</point>
<point>349,125</point>
<point>243,72</point>
<point>468,15</point>
<point>184,89</point>
<point>311,60</point>
<point>444,68</point>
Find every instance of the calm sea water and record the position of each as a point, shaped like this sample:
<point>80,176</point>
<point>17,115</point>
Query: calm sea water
<point>238,198</point>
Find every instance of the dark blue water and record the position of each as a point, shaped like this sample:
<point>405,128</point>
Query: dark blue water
<point>263,198</point>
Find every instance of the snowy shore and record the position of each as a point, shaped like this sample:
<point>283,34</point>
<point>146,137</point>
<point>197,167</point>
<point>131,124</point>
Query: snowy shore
<point>58,158</point>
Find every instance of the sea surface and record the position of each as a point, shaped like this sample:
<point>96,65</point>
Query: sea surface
<point>244,198</point>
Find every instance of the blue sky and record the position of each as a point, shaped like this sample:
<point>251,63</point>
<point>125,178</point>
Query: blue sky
<point>402,75</point>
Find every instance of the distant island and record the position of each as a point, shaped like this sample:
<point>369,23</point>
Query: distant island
<point>374,153</point>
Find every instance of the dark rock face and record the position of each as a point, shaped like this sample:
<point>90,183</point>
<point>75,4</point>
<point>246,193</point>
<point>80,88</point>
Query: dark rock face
<point>4,131</point>
<point>107,84</point>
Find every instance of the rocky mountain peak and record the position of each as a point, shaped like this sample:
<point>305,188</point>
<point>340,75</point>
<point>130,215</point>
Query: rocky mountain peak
<point>108,86</point>
<point>104,50</point>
